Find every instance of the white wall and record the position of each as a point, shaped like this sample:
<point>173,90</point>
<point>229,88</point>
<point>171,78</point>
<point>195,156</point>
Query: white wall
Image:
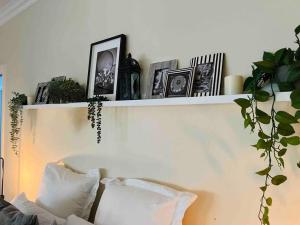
<point>199,148</point>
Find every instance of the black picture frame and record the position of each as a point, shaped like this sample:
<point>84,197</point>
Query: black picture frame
<point>119,55</point>
<point>208,74</point>
<point>42,93</point>
<point>179,82</point>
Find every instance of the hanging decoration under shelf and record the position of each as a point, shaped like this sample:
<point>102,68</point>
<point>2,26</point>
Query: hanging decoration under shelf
<point>95,114</point>
<point>15,106</point>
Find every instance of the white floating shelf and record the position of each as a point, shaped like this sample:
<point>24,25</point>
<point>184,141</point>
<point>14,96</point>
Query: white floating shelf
<point>208,100</point>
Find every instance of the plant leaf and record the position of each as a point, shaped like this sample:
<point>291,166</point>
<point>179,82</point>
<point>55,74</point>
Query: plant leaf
<point>283,141</point>
<point>279,55</point>
<point>269,201</point>
<point>286,86</point>
<point>261,144</point>
<point>262,135</point>
<point>244,103</point>
<point>295,98</point>
<point>268,56</point>
<point>263,188</point>
<point>264,171</point>
<point>281,162</point>
<point>265,66</point>
<point>285,129</point>
<point>298,164</point>
<point>279,179</point>
<point>284,117</point>
<point>262,116</point>
<point>262,96</point>
<point>282,152</point>
<point>248,84</point>
<point>295,140</point>
<point>297,115</point>
<point>297,30</point>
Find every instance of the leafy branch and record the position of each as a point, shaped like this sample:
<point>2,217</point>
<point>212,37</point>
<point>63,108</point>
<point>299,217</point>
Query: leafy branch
<point>274,129</point>
<point>95,114</point>
<point>16,114</point>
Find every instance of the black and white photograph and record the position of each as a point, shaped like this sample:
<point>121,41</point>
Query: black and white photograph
<point>105,58</point>
<point>208,75</point>
<point>158,76</point>
<point>179,83</point>
<point>105,72</point>
<point>42,93</point>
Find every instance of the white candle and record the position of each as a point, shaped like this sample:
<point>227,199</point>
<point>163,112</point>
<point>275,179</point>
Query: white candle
<point>30,100</point>
<point>233,84</point>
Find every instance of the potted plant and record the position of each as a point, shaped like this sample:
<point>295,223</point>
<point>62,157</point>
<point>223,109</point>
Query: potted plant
<point>280,71</point>
<point>15,106</point>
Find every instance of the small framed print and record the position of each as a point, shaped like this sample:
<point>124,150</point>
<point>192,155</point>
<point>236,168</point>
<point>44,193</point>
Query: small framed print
<point>42,93</point>
<point>158,76</point>
<point>179,83</point>
<point>105,59</point>
<point>208,74</point>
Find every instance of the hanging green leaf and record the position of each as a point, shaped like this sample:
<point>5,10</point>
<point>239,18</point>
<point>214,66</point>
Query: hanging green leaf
<point>283,141</point>
<point>262,116</point>
<point>263,188</point>
<point>269,201</point>
<point>297,30</point>
<point>295,98</point>
<point>282,152</point>
<point>286,86</point>
<point>262,135</point>
<point>265,218</point>
<point>282,162</point>
<point>262,155</point>
<point>248,84</point>
<point>297,115</point>
<point>298,164</point>
<point>284,117</point>
<point>285,129</point>
<point>262,96</point>
<point>261,144</point>
<point>264,171</point>
<point>279,179</point>
<point>244,103</point>
<point>295,140</point>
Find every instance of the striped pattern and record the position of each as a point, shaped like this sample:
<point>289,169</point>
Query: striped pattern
<point>217,59</point>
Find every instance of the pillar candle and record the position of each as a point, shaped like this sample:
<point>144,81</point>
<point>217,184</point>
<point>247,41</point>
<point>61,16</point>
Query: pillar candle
<point>233,84</point>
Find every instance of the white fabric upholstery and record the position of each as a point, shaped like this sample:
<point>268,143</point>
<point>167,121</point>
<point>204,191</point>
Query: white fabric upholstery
<point>136,202</point>
<point>75,220</point>
<point>30,208</point>
<point>64,192</point>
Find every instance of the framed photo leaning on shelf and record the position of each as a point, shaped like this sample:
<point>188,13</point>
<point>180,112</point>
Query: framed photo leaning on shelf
<point>179,82</point>
<point>105,59</point>
<point>158,77</point>
<point>208,74</point>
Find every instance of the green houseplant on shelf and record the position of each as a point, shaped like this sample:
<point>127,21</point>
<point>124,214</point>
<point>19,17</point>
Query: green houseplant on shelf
<point>274,129</point>
<point>15,106</point>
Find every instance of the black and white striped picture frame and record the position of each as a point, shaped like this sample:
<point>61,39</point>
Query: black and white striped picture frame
<point>208,74</point>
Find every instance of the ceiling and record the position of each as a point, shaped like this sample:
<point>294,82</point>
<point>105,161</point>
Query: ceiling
<point>3,3</point>
<point>11,8</point>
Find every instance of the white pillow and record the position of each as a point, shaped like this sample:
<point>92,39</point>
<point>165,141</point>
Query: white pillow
<point>30,208</point>
<point>75,220</point>
<point>136,202</point>
<point>64,192</point>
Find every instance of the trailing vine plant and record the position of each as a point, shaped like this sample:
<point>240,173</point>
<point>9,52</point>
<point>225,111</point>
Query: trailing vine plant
<point>275,129</point>
<point>15,106</point>
<point>95,114</point>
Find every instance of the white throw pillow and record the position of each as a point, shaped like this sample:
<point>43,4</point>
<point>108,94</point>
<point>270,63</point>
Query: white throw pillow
<point>75,220</point>
<point>136,202</point>
<point>30,208</point>
<point>64,192</point>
